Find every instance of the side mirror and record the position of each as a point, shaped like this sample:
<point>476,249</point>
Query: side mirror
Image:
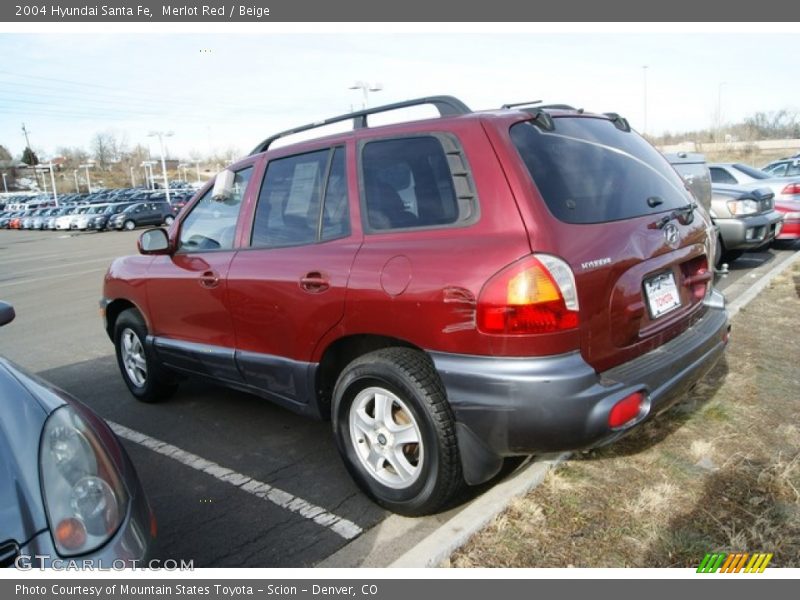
<point>223,186</point>
<point>154,241</point>
<point>7,313</point>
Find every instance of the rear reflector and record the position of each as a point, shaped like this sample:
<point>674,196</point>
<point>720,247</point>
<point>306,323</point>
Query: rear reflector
<point>626,410</point>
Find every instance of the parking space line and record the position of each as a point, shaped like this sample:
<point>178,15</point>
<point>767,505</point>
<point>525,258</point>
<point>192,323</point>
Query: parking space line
<point>60,275</point>
<point>61,265</point>
<point>340,526</point>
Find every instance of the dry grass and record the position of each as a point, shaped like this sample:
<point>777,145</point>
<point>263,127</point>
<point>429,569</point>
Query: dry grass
<point>720,472</point>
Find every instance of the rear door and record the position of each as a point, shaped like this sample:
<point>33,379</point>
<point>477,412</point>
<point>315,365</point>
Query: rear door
<point>187,290</point>
<point>611,206</point>
<point>287,289</point>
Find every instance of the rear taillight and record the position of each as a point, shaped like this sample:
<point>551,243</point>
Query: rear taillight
<point>791,189</point>
<point>536,294</point>
<point>626,410</point>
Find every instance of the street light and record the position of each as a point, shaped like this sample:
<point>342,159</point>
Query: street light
<point>366,88</point>
<point>719,108</point>
<point>52,180</point>
<point>87,166</point>
<point>161,135</point>
<point>5,187</point>
<point>197,167</point>
<point>75,175</point>
<point>148,173</point>
<point>133,179</point>
<point>183,166</point>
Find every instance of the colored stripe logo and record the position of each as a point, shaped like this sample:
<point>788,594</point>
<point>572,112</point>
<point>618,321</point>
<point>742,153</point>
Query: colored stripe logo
<point>742,562</point>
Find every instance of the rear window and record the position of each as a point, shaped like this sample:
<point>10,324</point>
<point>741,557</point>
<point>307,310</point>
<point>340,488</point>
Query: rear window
<point>588,171</point>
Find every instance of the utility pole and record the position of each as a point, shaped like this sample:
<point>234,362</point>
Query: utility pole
<point>25,133</point>
<point>161,135</point>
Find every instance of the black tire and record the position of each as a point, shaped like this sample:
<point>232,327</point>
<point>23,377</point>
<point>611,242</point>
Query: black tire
<point>156,384</point>
<point>409,376</point>
<point>129,225</point>
<point>718,252</point>
<point>729,256</point>
<point>168,220</point>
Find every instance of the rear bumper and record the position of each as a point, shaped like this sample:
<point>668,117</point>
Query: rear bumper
<point>516,406</point>
<point>749,232</point>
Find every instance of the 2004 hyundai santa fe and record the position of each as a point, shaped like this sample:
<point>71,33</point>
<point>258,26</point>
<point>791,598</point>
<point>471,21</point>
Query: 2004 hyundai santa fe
<point>448,291</point>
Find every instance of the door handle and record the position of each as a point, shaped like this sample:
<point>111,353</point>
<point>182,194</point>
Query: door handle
<point>314,282</point>
<point>209,279</point>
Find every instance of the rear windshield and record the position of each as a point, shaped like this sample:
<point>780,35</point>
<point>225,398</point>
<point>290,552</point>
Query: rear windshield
<point>588,171</point>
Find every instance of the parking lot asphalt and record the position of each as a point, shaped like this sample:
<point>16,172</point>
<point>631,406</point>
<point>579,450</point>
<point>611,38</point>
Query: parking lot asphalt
<point>233,480</point>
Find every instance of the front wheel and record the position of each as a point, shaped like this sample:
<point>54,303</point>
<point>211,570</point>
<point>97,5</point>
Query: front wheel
<point>129,225</point>
<point>395,431</point>
<point>144,377</point>
<point>168,220</point>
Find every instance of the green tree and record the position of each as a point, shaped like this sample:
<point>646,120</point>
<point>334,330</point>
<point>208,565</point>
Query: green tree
<point>29,157</point>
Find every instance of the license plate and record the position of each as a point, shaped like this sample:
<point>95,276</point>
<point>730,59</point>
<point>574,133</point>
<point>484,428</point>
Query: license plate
<point>662,294</point>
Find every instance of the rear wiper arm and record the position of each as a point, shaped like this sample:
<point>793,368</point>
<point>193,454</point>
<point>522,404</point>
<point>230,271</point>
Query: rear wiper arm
<point>684,213</point>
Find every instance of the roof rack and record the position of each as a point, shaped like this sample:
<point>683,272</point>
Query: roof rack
<point>446,105</point>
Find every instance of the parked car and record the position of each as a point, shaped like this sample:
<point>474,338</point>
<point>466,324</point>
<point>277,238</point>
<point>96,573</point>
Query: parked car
<point>84,217</point>
<point>99,221</point>
<point>449,292</point>
<point>67,487</point>
<point>786,167</point>
<point>786,190</point>
<point>747,219</point>
<point>142,213</point>
<point>64,219</point>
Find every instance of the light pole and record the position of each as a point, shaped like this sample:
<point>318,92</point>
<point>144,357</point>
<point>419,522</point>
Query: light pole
<point>5,186</point>
<point>87,166</point>
<point>148,173</point>
<point>52,180</point>
<point>182,167</point>
<point>197,167</point>
<point>644,82</point>
<point>133,179</point>
<point>366,88</point>
<point>161,135</point>
<point>75,175</point>
<point>719,108</point>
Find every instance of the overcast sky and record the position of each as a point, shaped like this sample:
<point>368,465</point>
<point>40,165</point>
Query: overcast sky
<point>216,91</point>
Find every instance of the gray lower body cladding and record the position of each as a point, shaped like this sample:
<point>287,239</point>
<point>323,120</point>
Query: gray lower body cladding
<point>517,406</point>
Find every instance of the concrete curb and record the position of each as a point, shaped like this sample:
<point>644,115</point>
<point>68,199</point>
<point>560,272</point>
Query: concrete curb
<point>754,290</point>
<point>439,545</point>
<point>453,534</point>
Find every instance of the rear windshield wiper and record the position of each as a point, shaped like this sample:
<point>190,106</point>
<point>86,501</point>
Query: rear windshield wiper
<point>684,213</point>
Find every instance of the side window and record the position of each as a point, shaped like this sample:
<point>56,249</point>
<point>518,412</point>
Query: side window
<point>721,176</point>
<point>778,170</point>
<point>793,169</point>
<point>336,206</point>
<point>408,182</point>
<point>288,207</point>
<point>211,225</point>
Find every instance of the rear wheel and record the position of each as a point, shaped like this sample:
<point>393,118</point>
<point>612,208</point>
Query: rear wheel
<point>395,430</point>
<point>144,377</point>
<point>129,225</point>
<point>731,255</point>
<point>168,220</point>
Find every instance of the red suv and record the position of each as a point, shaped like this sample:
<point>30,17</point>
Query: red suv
<point>449,291</point>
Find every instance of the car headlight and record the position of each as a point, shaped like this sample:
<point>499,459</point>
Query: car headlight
<point>83,494</point>
<point>743,207</point>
